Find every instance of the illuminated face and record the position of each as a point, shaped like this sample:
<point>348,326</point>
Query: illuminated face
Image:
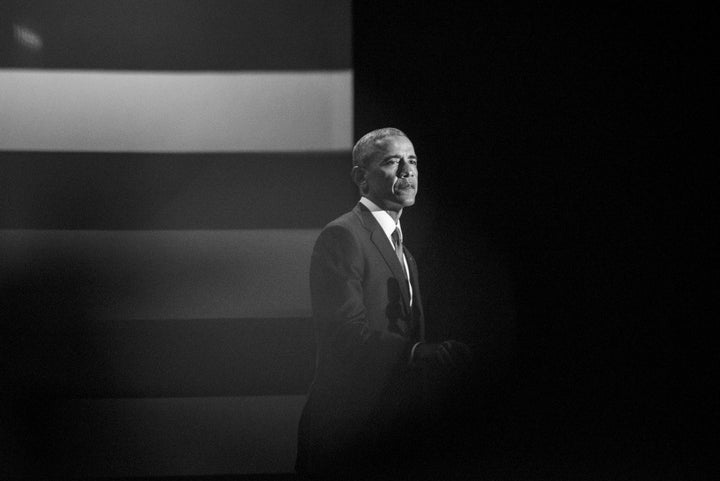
<point>391,174</point>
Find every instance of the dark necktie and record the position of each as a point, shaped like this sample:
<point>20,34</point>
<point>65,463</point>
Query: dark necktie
<point>397,240</point>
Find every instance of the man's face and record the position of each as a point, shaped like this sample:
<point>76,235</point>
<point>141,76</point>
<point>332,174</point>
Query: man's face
<point>392,174</point>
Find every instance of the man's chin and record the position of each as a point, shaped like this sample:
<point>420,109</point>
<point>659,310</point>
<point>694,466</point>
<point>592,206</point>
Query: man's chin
<point>406,201</point>
<point>395,202</point>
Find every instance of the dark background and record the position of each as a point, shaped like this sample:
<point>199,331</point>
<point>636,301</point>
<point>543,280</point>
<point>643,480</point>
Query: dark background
<point>562,221</point>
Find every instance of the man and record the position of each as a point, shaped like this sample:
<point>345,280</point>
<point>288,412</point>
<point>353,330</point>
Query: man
<point>369,410</point>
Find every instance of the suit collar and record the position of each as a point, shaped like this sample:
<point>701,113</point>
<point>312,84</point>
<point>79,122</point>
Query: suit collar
<point>387,223</point>
<point>385,220</point>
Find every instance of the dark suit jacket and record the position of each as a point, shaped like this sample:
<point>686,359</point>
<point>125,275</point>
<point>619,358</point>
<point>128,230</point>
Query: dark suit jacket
<point>358,406</point>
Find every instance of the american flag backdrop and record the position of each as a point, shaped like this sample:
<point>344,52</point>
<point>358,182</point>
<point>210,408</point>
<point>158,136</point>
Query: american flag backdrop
<point>165,167</point>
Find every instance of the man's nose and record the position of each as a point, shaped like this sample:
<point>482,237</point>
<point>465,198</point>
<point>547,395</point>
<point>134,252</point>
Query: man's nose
<point>403,169</point>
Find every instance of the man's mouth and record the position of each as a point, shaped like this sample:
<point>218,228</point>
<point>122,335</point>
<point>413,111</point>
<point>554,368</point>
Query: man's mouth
<point>403,185</point>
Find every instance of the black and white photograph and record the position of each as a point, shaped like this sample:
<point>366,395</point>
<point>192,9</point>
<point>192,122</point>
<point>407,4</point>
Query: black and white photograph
<point>347,240</point>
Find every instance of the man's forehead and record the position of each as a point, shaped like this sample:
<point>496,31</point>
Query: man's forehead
<point>385,142</point>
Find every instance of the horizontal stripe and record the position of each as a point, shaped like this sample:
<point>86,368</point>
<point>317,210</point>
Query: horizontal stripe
<point>50,356</point>
<point>158,274</point>
<point>172,35</point>
<point>151,437</point>
<point>90,190</point>
<point>171,112</point>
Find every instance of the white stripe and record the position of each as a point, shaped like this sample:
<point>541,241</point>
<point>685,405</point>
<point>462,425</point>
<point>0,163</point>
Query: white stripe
<point>160,436</point>
<point>162,274</point>
<point>175,112</point>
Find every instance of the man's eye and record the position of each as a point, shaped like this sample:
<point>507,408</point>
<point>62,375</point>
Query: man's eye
<point>412,161</point>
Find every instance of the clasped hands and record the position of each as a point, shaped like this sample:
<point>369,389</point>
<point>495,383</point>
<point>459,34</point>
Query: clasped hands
<point>449,357</point>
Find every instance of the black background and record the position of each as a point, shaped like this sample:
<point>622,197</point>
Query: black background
<point>562,221</point>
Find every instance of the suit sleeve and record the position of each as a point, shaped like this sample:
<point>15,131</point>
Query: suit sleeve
<point>346,339</point>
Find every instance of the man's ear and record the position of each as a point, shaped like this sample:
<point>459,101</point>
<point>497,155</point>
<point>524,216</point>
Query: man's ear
<point>358,175</point>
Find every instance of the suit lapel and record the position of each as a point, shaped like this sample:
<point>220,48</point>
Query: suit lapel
<point>380,240</point>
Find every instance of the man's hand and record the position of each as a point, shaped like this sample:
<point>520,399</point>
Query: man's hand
<point>451,357</point>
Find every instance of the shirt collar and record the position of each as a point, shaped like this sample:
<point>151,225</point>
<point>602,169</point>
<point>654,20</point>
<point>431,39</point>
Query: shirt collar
<point>386,222</point>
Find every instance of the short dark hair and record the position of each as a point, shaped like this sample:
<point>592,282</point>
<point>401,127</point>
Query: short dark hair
<point>364,147</point>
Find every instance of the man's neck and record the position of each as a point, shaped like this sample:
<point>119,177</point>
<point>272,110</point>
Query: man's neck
<point>392,213</point>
